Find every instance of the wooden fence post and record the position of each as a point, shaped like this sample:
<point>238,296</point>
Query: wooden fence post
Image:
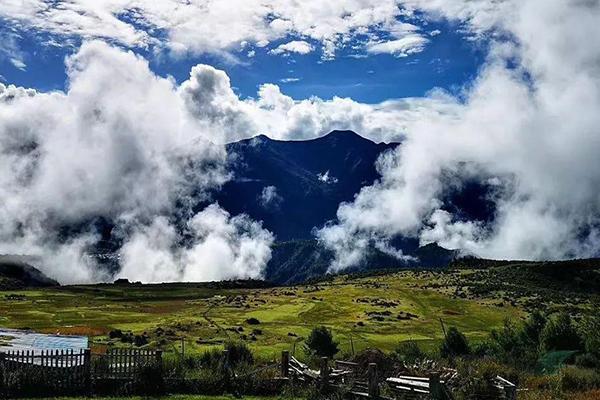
<point>324,374</point>
<point>87,370</point>
<point>373,383</point>
<point>510,392</point>
<point>285,363</point>
<point>2,378</point>
<point>436,391</point>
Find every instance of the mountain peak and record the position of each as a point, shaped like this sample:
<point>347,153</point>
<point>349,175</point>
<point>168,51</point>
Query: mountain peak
<point>346,135</point>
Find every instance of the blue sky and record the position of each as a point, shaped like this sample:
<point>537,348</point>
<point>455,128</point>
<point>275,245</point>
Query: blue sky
<point>449,60</point>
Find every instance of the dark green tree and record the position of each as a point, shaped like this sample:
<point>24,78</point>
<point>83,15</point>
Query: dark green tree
<point>321,343</point>
<point>560,334</point>
<point>454,344</point>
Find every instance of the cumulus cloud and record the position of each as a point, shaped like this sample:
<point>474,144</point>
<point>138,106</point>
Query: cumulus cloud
<point>295,46</point>
<point>125,145</point>
<point>529,121</point>
<point>229,118</point>
<point>221,247</point>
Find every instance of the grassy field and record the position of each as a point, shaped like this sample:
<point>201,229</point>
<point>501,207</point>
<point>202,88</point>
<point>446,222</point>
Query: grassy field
<point>377,311</point>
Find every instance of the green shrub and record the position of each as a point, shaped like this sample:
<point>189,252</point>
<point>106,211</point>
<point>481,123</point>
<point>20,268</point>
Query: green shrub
<point>385,363</point>
<point>590,333</point>
<point>238,353</point>
<point>533,327</point>
<point>149,380</point>
<point>560,334</point>
<point>575,378</point>
<point>475,378</point>
<point>454,344</point>
<point>516,345</point>
<point>408,352</point>
<point>320,343</point>
<point>587,360</point>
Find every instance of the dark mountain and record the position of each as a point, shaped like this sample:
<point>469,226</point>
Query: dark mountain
<point>293,186</point>
<point>16,272</point>
<point>301,260</point>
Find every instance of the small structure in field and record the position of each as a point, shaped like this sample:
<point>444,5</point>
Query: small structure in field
<point>32,348</point>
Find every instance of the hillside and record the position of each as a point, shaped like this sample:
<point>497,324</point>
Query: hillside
<point>373,311</point>
<point>17,273</point>
<point>297,261</point>
<point>376,310</point>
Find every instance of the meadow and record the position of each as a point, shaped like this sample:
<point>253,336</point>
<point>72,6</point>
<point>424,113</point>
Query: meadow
<point>372,311</point>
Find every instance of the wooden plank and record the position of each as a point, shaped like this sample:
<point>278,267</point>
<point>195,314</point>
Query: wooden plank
<point>408,382</point>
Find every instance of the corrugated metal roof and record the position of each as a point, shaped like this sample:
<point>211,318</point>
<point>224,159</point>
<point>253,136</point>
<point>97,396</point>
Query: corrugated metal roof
<point>13,339</point>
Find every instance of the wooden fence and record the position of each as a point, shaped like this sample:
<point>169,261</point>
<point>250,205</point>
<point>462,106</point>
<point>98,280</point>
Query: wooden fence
<point>124,364</point>
<point>51,371</point>
<point>68,371</point>
<point>367,385</point>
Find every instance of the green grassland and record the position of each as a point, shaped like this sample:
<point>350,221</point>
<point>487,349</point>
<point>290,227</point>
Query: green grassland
<point>375,311</point>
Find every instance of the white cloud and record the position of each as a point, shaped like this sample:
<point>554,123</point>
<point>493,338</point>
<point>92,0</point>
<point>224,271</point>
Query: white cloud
<point>269,198</point>
<point>403,47</point>
<point>125,144</point>
<point>290,80</point>
<point>529,121</point>
<point>295,46</point>
<point>208,26</point>
<point>218,110</point>
<point>326,178</point>
<point>222,247</point>
<point>9,49</point>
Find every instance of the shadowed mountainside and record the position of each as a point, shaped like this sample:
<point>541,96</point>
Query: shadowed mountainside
<point>294,186</point>
<point>17,273</point>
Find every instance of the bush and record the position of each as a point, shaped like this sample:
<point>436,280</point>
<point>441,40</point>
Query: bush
<point>475,378</point>
<point>320,343</point>
<point>115,334</point>
<point>533,327</point>
<point>408,352</point>
<point>516,345</point>
<point>238,353</point>
<point>590,333</point>
<point>385,363</point>
<point>574,378</point>
<point>560,334</point>
<point>454,344</point>
<point>150,380</point>
<point>140,340</point>
<point>587,360</point>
